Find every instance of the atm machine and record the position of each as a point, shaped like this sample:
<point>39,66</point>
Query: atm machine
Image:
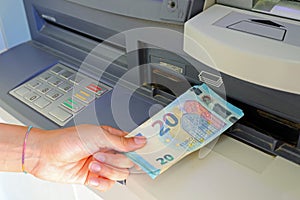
<point>119,62</point>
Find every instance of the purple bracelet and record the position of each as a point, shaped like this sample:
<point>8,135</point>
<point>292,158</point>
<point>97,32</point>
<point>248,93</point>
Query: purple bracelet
<point>24,149</point>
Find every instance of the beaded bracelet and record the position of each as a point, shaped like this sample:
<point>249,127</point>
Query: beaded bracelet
<point>24,149</point>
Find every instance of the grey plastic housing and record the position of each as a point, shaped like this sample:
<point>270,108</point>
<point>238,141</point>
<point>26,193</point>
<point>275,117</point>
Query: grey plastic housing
<point>245,4</point>
<point>282,31</point>
<point>171,11</point>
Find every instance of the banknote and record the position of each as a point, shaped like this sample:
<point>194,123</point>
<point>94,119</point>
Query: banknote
<point>187,124</point>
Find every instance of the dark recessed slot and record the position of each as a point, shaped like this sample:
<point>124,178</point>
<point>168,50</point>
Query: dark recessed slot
<point>267,132</point>
<point>266,22</point>
<point>269,124</point>
<point>74,31</point>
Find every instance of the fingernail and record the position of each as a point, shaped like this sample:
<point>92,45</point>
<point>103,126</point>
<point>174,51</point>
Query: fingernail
<point>95,168</point>
<point>99,157</point>
<point>140,140</point>
<point>94,182</point>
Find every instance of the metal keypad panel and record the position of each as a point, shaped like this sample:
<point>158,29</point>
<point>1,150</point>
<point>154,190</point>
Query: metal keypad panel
<point>59,93</point>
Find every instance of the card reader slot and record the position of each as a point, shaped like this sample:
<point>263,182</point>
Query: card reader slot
<point>71,38</point>
<point>80,40</point>
<point>84,35</point>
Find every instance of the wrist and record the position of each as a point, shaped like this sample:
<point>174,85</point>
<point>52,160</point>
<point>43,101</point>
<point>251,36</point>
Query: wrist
<point>33,149</point>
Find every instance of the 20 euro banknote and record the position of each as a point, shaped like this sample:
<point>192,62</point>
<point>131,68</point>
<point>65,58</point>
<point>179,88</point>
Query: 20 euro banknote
<point>188,123</point>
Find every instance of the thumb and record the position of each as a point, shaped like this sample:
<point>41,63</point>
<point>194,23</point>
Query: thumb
<point>95,138</point>
<point>125,144</point>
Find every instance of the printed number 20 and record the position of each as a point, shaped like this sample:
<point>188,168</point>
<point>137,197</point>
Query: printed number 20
<point>167,158</point>
<point>169,123</point>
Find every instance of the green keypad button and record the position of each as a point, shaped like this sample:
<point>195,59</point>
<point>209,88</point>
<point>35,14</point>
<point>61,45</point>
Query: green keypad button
<point>72,105</point>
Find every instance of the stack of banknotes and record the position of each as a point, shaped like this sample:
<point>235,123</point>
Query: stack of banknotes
<point>187,124</point>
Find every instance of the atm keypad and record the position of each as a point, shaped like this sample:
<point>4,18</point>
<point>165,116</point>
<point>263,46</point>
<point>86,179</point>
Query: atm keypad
<point>45,76</point>
<point>66,87</point>
<point>60,114</point>
<point>55,81</point>
<point>67,74</point>
<point>76,79</point>
<point>95,88</point>
<point>59,93</point>
<point>84,95</point>
<point>32,97</point>
<point>56,69</point>
<point>54,95</point>
<point>73,105</point>
<point>44,88</point>
<point>22,91</point>
<point>34,84</point>
<point>42,102</point>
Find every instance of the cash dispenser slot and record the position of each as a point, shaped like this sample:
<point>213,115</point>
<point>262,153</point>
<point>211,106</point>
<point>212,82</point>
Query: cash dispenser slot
<point>259,128</point>
<point>267,132</point>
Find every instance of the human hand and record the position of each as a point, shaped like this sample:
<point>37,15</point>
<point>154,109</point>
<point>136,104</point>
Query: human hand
<point>85,154</point>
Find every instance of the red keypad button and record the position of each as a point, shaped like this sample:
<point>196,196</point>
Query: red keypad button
<point>95,88</point>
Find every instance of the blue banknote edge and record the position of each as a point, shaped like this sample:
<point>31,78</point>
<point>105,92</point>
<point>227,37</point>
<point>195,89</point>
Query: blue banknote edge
<point>152,171</point>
